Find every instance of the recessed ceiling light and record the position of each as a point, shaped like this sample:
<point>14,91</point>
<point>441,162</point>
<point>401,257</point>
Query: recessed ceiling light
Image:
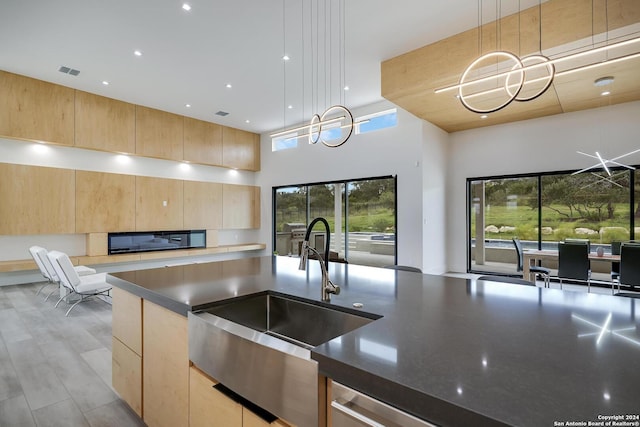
<point>187,105</point>
<point>346,88</point>
<point>186,7</point>
<point>484,116</point>
<point>290,107</point>
<point>228,86</point>
<point>286,57</point>
<point>605,93</point>
<point>137,53</point>
<point>247,121</point>
<point>603,81</point>
<point>106,83</point>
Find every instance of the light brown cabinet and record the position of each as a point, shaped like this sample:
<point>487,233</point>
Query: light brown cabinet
<point>104,123</point>
<point>159,134</point>
<point>159,204</point>
<point>209,407</point>
<point>202,142</point>
<point>202,205</point>
<point>126,350</point>
<point>165,366</point>
<point>34,109</point>
<point>36,200</point>
<point>240,149</point>
<point>105,202</point>
<point>241,206</point>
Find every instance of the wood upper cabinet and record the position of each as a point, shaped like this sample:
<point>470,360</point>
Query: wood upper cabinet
<point>33,109</point>
<point>202,205</point>
<point>104,124</point>
<point>159,134</point>
<point>240,149</point>
<point>165,366</point>
<point>241,206</point>
<point>36,200</point>
<point>105,202</point>
<point>159,204</point>
<point>202,142</point>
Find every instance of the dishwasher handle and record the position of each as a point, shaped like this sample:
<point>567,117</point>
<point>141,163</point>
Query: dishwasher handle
<point>354,414</point>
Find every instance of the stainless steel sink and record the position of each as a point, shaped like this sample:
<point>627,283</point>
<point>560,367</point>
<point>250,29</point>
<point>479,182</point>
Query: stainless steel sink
<point>259,347</point>
<point>296,321</point>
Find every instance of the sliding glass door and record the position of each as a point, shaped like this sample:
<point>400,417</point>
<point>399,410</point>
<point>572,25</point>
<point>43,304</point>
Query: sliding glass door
<point>544,209</point>
<point>361,214</point>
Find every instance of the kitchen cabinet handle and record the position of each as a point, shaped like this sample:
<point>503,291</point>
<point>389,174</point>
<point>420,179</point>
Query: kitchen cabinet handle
<point>353,414</point>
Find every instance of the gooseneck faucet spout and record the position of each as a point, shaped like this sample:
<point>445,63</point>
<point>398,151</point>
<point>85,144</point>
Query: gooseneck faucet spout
<point>328,287</point>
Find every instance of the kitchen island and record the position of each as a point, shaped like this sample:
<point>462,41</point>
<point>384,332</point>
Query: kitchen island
<point>452,351</point>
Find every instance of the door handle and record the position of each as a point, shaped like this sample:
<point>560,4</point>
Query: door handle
<point>354,414</point>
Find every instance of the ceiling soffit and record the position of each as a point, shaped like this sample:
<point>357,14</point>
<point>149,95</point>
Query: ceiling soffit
<point>567,26</point>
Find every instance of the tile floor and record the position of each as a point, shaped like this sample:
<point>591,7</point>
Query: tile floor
<point>56,370</point>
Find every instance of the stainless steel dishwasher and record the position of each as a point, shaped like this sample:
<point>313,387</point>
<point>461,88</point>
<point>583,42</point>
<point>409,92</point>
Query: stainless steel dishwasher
<point>350,408</point>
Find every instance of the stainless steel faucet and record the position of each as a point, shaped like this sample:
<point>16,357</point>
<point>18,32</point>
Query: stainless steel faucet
<point>328,287</point>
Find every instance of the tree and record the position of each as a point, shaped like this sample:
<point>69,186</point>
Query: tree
<point>587,196</point>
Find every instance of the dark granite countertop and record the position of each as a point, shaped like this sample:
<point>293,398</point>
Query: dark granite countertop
<point>452,351</point>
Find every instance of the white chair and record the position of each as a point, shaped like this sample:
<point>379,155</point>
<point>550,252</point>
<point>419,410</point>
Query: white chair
<point>84,286</point>
<point>39,255</point>
<point>52,279</point>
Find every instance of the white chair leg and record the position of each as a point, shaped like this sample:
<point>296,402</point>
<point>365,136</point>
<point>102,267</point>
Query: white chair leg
<point>76,303</point>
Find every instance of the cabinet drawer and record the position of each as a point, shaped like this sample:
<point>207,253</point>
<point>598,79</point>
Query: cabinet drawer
<point>126,322</point>
<point>126,376</point>
<point>209,407</point>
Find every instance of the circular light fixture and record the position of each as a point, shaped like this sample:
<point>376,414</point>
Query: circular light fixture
<point>603,81</point>
<point>106,83</point>
<point>290,107</point>
<point>137,53</point>
<point>186,7</point>
<point>187,105</point>
<point>228,86</point>
<point>286,57</point>
<point>346,88</point>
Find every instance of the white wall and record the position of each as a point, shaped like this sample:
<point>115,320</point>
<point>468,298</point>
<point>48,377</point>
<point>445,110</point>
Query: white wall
<point>539,145</point>
<point>393,151</point>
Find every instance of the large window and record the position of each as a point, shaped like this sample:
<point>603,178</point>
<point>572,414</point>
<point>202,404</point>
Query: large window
<point>361,214</point>
<point>544,209</point>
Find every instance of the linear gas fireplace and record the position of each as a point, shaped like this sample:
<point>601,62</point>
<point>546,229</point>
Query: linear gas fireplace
<point>148,241</point>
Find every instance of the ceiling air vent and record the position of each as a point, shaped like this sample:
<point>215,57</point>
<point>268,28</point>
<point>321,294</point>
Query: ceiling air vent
<point>68,70</point>
<point>222,113</point>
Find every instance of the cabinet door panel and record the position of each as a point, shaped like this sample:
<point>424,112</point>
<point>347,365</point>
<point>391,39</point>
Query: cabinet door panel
<point>104,202</point>
<point>159,134</point>
<point>208,407</point>
<point>126,375</point>
<point>165,367</point>
<point>104,123</point>
<point>33,109</point>
<point>126,323</point>
<point>36,200</point>
<point>202,205</point>
<point>241,206</point>
<point>202,142</point>
<point>159,204</point>
<point>240,149</point>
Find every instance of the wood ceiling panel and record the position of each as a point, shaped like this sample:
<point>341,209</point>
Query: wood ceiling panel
<point>410,80</point>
